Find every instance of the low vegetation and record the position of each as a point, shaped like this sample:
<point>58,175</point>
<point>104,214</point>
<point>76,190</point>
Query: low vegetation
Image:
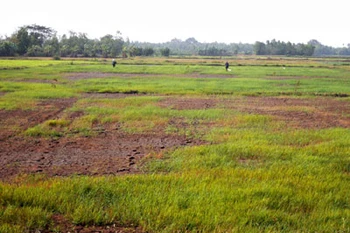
<point>257,170</point>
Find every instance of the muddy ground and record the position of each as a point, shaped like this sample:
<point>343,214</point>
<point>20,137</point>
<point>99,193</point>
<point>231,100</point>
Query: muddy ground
<point>110,152</point>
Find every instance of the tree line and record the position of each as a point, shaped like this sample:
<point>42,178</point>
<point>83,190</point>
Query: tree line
<point>281,48</point>
<point>323,50</point>
<point>312,48</point>
<point>36,40</point>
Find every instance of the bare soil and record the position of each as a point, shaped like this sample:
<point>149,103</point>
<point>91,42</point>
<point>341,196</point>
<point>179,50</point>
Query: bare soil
<point>111,152</point>
<point>311,113</point>
<point>66,226</point>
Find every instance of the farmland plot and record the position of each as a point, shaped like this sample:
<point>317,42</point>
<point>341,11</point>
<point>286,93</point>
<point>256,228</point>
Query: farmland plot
<point>174,147</point>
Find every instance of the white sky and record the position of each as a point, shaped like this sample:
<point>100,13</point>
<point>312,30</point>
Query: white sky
<point>229,21</point>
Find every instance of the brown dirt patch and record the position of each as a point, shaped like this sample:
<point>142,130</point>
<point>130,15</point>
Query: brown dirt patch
<point>63,225</point>
<point>111,152</point>
<point>315,113</point>
<point>109,95</point>
<point>182,103</point>
<point>14,121</point>
<point>291,77</point>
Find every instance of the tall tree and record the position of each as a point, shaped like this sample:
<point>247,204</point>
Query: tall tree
<point>165,52</point>
<point>30,36</point>
<point>39,34</point>
<point>259,48</point>
<point>7,48</point>
<point>52,47</point>
<point>22,40</point>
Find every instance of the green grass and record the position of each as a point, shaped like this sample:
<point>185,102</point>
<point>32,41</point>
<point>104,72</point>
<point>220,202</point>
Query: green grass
<point>220,86</point>
<point>24,95</point>
<point>171,79</point>
<point>281,197</point>
<point>254,174</point>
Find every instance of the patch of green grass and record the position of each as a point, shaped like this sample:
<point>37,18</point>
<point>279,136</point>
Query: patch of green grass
<point>243,85</point>
<point>171,79</point>
<point>134,113</point>
<point>42,131</point>
<point>57,123</point>
<point>83,125</point>
<point>281,197</point>
<point>22,219</point>
<point>21,95</point>
<point>50,128</point>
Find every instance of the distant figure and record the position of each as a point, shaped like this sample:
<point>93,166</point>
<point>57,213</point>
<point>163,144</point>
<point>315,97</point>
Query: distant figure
<point>114,62</point>
<point>226,66</point>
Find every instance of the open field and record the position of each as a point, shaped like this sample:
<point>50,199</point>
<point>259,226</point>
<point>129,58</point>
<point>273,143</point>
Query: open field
<point>175,145</point>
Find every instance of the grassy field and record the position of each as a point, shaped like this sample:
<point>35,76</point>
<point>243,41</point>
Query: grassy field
<point>256,171</point>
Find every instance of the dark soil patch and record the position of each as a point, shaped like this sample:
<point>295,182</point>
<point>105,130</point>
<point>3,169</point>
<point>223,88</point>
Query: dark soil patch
<point>182,103</point>
<point>315,113</point>
<point>14,121</point>
<point>104,95</point>
<point>109,153</point>
<point>63,225</point>
<point>291,77</point>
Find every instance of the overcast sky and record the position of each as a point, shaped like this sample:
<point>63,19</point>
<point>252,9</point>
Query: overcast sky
<point>229,21</point>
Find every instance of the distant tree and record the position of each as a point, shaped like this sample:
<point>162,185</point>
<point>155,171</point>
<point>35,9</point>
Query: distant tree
<point>344,51</point>
<point>165,52</point>
<point>259,48</point>
<point>35,51</point>
<point>39,34</point>
<point>305,49</point>
<point>290,49</point>
<point>107,45</point>
<point>213,51</point>
<point>314,42</point>
<point>234,48</point>
<point>52,47</point>
<point>22,40</point>
<point>75,45</point>
<point>176,41</point>
<point>135,51</point>
<point>30,36</point>
<point>111,46</point>
<point>148,51</point>
<point>35,40</point>
<point>118,43</point>
<point>91,48</point>
<point>274,47</point>
<point>7,48</point>
<point>192,41</point>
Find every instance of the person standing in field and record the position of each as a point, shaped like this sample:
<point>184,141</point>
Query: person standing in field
<point>114,62</point>
<point>226,66</point>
